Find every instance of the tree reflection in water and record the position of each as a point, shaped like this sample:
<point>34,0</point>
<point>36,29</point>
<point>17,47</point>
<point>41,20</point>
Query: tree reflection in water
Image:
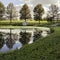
<point>10,41</point>
<point>24,37</point>
<point>1,40</point>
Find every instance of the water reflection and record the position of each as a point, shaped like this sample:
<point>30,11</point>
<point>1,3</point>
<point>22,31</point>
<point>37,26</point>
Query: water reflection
<point>14,43</point>
<point>5,48</point>
<point>17,45</point>
<point>1,40</point>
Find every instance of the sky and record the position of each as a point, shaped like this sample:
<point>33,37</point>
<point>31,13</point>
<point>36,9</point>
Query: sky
<point>34,2</point>
<point>15,2</point>
<point>31,3</point>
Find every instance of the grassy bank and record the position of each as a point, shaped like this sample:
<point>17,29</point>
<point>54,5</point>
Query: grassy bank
<point>19,22</point>
<point>29,23</point>
<point>19,27</point>
<point>43,49</point>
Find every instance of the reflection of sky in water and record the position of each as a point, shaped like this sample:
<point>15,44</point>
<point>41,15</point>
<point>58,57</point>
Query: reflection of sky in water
<point>4,48</point>
<point>17,45</point>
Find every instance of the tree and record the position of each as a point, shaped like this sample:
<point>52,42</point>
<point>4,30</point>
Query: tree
<point>25,12</point>
<point>11,11</point>
<point>38,12</point>
<point>2,10</point>
<point>49,18</point>
<point>53,12</point>
<point>1,40</point>
<point>25,37</point>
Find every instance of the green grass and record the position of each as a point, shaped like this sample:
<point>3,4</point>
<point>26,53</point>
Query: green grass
<point>19,23</point>
<point>42,49</point>
<point>24,27</point>
<point>17,27</point>
<point>22,21</point>
<point>29,23</point>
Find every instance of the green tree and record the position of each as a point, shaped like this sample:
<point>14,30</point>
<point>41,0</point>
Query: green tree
<point>2,10</point>
<point>1,40</point>
<point>11,11</point>
<point>25,12</point>
<point>38,12</point>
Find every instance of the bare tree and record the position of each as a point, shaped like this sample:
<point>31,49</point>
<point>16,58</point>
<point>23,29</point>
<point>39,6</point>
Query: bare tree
<point>11,11</point>
<point>53,12</point>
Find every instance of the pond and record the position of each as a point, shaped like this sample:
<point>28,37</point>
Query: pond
<point>15,35</point>
<point>5,48</point>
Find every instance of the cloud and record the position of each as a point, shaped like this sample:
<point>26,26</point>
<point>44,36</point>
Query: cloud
<point>31,3</point>
<point>40,1</point>
<point>15,2</point>
<point>43,1</point>
<point>26,1</point>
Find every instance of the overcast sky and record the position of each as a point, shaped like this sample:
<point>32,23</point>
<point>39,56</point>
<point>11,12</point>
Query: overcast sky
<point>31,3</point>
<point>44,1</point>
<point>34,2</point>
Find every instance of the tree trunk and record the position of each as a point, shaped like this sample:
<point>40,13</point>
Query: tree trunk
<point>39,21</point>
<point>10,20</point>
<point>25,19</point>
<point>10,17</point>
<point>10,35</point>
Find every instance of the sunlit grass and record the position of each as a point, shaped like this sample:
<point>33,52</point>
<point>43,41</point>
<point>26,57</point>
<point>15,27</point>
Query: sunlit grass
<point>31,21</point>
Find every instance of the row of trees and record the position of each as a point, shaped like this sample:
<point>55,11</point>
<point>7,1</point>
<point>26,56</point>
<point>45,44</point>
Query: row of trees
<point>25,12</point>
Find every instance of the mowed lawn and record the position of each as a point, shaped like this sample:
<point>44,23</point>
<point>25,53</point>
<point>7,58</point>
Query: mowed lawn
<point>19,22</point>
<point>32,21</point>
<point>24,27</point>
